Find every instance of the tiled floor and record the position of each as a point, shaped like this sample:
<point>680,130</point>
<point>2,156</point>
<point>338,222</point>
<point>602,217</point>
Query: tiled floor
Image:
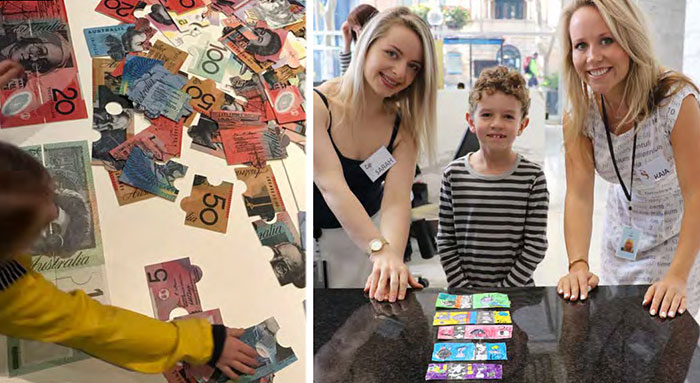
<point>555,262</point>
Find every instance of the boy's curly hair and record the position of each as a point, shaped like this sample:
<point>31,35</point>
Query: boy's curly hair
<point>501,79</point>
<point>21,177</point>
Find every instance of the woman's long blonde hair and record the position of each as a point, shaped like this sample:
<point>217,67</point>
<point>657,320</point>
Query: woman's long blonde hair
<point>646,84</point>
<point>417,102</point>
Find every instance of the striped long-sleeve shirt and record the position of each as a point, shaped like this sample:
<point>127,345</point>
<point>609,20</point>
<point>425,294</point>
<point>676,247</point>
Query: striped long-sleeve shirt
<point>492,229</point>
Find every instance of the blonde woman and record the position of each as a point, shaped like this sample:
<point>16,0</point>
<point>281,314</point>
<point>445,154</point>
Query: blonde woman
<point>638,126</point>
<point>368,127</point>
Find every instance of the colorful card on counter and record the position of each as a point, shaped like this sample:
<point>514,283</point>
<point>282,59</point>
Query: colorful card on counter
<point>462,371</point>
<point>475,332</point>
<point>443,318</point>
<point>473,301</point>
<point>173,284</point>
<point>458,352</point>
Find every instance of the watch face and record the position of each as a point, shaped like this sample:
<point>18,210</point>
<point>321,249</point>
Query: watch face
<point>375,245</point>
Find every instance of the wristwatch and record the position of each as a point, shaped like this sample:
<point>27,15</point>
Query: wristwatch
<point>376,245</point>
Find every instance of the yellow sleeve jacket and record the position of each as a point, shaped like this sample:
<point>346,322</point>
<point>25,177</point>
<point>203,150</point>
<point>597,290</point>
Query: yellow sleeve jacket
<point>33,308</point>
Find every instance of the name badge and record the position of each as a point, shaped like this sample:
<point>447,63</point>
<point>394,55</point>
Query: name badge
<point>654,171</point>
<point>629,244</point>
<point>378,163</point>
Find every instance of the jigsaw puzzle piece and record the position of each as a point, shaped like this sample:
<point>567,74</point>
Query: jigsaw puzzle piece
<point>91,280</point>
<point>271,355</point>
<point>289,259</point>
<point>262,196</point>
<point>173,284</point>
<point>208,206</point>
<point>142,172</point>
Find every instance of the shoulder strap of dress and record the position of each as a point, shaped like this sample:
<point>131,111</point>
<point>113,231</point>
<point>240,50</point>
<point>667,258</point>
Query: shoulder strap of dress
<point>395,132</point>
<point>330,115</point>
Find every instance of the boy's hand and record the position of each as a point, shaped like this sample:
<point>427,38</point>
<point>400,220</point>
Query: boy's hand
<point>389,278</point>
<point>577,283</point>
<point>9,70</point>
<point>667,296</point>
<point>236,354</point>
<point>347,35</point>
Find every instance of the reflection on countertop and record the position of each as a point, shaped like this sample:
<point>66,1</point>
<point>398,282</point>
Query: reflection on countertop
<point>607,338</point>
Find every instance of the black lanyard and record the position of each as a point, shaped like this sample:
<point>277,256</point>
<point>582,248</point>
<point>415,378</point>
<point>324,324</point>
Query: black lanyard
<point>628,193</point>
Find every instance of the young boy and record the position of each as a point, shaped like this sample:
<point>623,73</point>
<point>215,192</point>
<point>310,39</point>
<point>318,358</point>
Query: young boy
<point>493,203</point>
<point>33,308</point>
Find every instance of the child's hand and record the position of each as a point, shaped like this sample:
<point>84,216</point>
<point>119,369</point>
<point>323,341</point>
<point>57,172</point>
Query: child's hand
<point>9,70</point>
<point>236,354</point>
<point>667,296</point>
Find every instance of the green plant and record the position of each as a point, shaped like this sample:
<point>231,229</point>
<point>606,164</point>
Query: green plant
<point>421,10</point>
<point>551,81</point>
<point>456,17</point>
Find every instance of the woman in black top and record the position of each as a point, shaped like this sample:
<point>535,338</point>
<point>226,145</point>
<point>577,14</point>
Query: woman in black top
<point>368,127</point>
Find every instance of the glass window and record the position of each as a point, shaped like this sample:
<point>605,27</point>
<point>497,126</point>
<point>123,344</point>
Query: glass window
<point>510,9</point>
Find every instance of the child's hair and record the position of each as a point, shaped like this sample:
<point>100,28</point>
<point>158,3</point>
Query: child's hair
<point>418,102</point>
<point>21,178</point>
<point>361,15</point>
<point>500,79</point>
<point>646,83</point>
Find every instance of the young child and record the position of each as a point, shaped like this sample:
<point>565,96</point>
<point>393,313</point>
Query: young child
<point>33,308</point>
<point>493,203</point>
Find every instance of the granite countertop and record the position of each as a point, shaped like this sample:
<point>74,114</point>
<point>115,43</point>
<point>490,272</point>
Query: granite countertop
<point>609,338</point>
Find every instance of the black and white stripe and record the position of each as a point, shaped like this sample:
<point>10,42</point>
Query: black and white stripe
<point>345,59</point>
<point>492,229</point>
<point>10,272</point>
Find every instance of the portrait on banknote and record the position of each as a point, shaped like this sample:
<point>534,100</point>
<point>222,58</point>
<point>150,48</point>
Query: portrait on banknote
<point>268,42</point>
<point>131,41</point>
<point>105,121</point>
<point>39,51</point>
<point>72,230</point>
<point>277,13</point>
<point>160,15</point>
<point>289,264</point>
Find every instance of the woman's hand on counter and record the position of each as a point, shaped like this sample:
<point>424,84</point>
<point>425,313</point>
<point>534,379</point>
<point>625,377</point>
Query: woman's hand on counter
<point>390,277</point>
<point>667,296</point>
<point>577,283</point>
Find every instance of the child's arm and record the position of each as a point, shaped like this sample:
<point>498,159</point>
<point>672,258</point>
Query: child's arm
<point>33,308</point>
<point>446,239</point>
<point>535,233</point>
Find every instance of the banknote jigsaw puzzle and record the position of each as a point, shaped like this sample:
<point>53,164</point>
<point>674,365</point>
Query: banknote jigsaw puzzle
<point>262,196</point>
<point>209,205</point>
<point>173,284</point>
<point>68,252</point>
<point>141,171</point>
<point>50,89</point>
<point>272,357</point>
<point>289,258</point>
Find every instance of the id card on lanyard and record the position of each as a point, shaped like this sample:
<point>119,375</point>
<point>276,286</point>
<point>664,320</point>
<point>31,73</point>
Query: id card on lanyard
<point>628,245</point>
